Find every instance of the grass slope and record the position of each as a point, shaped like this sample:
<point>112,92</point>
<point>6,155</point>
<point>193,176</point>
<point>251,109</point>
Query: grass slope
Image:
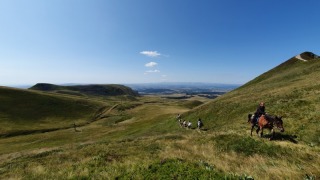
<point>290,90</point>
<point>24,111</point>
<point>141,139</point>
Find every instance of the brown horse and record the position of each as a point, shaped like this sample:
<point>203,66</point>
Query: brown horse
<point>266,121</point>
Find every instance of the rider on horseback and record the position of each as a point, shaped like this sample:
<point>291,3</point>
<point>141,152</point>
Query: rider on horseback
<point>259,112</point>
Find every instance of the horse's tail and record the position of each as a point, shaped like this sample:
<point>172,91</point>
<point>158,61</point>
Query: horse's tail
<point>249,117</point>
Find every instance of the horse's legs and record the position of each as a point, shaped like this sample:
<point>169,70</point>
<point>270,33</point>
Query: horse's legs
<point>261,134</point>
<point>252,126</point>
<point>257,131</point>
<point>272,134</point>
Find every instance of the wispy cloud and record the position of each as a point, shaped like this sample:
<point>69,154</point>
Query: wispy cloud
<point>150,53</point>
<point>151,64</point>
<point>151,71</point>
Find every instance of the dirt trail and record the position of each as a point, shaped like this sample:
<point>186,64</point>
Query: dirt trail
<point>300,58</point>
<point>103,112</point>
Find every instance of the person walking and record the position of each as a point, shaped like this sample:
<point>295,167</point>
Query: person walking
<point>200,123</point>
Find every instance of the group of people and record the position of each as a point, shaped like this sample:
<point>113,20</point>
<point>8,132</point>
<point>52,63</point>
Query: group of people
<point>259,112</point>
<point>188,124</point>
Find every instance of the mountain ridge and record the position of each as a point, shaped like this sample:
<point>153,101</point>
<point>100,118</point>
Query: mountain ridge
<point>81,90</point>
<point>306,56</point>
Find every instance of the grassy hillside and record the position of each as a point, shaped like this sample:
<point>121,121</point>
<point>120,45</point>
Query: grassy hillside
<point>24,111</point>
<point>290,90</point>
<point>140,138</point>
<point>91,90</point>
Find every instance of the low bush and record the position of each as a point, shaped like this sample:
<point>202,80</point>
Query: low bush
<point>248,146</point>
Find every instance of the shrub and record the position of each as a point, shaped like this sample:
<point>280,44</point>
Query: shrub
<point>248,146</point>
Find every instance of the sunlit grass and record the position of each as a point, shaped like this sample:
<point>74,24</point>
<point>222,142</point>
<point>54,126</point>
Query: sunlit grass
<point>141,138</point>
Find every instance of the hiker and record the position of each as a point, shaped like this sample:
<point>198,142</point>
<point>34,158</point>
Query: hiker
<point>184,123</point>
<point>260,111</point>
<point>179,117</point>
<point>75,127</point>
<point>200,124</point>
<point>189,124</point>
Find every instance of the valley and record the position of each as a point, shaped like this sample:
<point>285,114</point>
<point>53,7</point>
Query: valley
<point>138,137</point>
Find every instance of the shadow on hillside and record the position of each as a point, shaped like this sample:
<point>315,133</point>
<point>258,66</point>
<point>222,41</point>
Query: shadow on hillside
<point>195,128</point>
<point>283,137</point>
<point>202,129</point>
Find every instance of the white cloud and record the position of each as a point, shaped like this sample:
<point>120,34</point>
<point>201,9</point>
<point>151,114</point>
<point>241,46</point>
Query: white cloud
<point>153,71</point>
<point>150,53</point>
<point>164,76</point>
<point>151,64</point>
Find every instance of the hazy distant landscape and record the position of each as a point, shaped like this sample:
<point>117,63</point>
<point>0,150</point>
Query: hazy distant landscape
<point>182,88</point>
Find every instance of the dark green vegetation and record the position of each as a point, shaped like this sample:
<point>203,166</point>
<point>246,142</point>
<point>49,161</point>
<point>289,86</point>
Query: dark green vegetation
<point>131,137</point>
<point>248,146</point>
<point>308,56</point>
<point>24,112</point>
<point>91,90</point>
<point>178,169</point>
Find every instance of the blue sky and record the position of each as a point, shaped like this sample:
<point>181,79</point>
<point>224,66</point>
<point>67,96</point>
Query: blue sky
<point>138,41</point>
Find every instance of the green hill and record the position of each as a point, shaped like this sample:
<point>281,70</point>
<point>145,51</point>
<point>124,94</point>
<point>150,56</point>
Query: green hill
<point>290,90</point>
<point>140,138</point>
<point>25,111</point>
<point>91,90</point>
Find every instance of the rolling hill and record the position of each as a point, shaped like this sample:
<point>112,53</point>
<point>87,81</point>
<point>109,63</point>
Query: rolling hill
<point>86,90</point>
<point>291,90</point>
<point>140,138</point>
<point>25,111</point>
